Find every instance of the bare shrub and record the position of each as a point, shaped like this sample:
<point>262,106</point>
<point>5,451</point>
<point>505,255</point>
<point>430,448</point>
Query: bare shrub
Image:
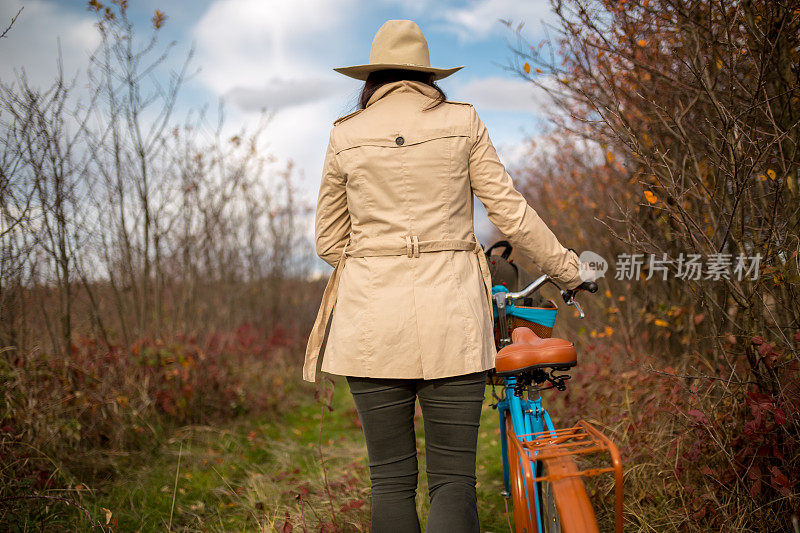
<point>690,110</point>
<point>153,271</point>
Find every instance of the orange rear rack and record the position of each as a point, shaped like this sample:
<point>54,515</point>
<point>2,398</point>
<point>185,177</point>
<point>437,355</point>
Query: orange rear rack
<point>582,439</point>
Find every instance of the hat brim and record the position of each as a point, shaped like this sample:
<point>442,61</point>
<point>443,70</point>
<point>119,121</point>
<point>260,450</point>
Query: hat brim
<point>360,72</point>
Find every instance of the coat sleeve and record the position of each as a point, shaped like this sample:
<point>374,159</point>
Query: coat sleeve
<point>512,215</point>
<point>332,221</point>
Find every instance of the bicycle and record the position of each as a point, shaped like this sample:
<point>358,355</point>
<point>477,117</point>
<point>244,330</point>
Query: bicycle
<point>540,474</point>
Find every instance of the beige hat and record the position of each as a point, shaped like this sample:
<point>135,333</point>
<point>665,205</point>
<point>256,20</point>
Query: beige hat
<point>398,44</point>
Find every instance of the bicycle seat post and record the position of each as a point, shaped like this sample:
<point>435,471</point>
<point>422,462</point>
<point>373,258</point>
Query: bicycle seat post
<point>533,392</point>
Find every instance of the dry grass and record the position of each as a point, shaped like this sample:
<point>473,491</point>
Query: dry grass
<point>261,469</point>
<point>81,420</point>
<point>680,435</point>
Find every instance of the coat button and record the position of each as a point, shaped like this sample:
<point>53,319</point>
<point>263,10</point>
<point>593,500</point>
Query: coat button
<point>399,141</point>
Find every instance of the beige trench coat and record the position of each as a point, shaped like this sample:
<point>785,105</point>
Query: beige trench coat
<point>410,293</point>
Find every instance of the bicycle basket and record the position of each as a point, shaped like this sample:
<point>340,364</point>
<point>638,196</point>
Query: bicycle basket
<point>539,319</point>
<point>541,314</point>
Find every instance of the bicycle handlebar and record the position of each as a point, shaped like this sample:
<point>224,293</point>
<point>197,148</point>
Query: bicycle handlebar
<point>538,283</point>
<point>568,295</point>
<point>533,287</point>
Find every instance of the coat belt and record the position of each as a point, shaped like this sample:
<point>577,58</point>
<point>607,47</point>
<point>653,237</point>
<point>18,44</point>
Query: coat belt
<point>412,249</point>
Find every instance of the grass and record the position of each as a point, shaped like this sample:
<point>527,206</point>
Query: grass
<point>245,475</point>
<point>261,469</point>
<point>256,474</point>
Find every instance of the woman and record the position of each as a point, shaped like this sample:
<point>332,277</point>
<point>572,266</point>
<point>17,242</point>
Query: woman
<point>410,286</point>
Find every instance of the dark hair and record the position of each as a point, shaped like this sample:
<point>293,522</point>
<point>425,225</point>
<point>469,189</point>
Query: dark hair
<point>379,78</point>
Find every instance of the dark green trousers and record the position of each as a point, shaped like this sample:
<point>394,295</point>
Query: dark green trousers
<point>451,411</point>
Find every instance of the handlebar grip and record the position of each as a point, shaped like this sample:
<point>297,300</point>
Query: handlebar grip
<point>588,286</point>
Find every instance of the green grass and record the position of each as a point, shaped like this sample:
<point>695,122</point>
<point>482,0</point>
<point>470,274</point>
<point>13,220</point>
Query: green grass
<point>246,475</point>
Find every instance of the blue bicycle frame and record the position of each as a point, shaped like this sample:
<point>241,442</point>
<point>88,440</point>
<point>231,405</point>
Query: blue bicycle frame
<point>538,440</point>
<point>527,416</point>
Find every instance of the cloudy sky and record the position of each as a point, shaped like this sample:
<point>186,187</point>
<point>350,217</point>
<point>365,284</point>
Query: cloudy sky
<point>279,55</point>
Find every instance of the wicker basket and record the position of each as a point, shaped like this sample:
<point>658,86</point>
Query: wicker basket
<point>516,322</point>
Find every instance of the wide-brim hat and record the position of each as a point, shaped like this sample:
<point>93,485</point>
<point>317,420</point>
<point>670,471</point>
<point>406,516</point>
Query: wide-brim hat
<point>398,44</point>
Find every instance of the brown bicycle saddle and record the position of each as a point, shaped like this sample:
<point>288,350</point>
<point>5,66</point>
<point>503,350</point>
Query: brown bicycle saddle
<point>528,351</point>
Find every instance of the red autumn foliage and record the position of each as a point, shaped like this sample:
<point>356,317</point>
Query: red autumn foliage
<point>117,397</point>
<point>669,420</point>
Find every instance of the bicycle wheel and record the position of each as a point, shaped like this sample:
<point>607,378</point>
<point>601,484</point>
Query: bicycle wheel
<point>547,503</point>
<point>522,500</point>
<point>563,501</point>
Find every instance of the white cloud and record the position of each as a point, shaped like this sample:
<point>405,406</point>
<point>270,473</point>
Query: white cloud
<point>413,8</point>
<point>547,145</point>
<point>247,43</point>
<point>278,55</point>
<point>498,93</point>
<point>481,17</point>
<point>516,155</point>
<point>280,93</point>
<point>33,41</point>
<point>302,135</point>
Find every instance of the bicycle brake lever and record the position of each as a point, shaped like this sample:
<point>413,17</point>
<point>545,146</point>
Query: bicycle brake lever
<point>569,299</point>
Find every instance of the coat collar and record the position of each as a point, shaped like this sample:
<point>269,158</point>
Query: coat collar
<point>402,86</point>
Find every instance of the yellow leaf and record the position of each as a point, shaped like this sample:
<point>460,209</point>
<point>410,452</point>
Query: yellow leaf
<point>650,197</point>
<point>158,19</point>
<point>527,68</point>
<point>609,331</point>
<point>608,294</point>
<point>662,323</point>
<point>539,70</point>
<point>609,157</point>
<point>641,42</point>
<point>771,174</point>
